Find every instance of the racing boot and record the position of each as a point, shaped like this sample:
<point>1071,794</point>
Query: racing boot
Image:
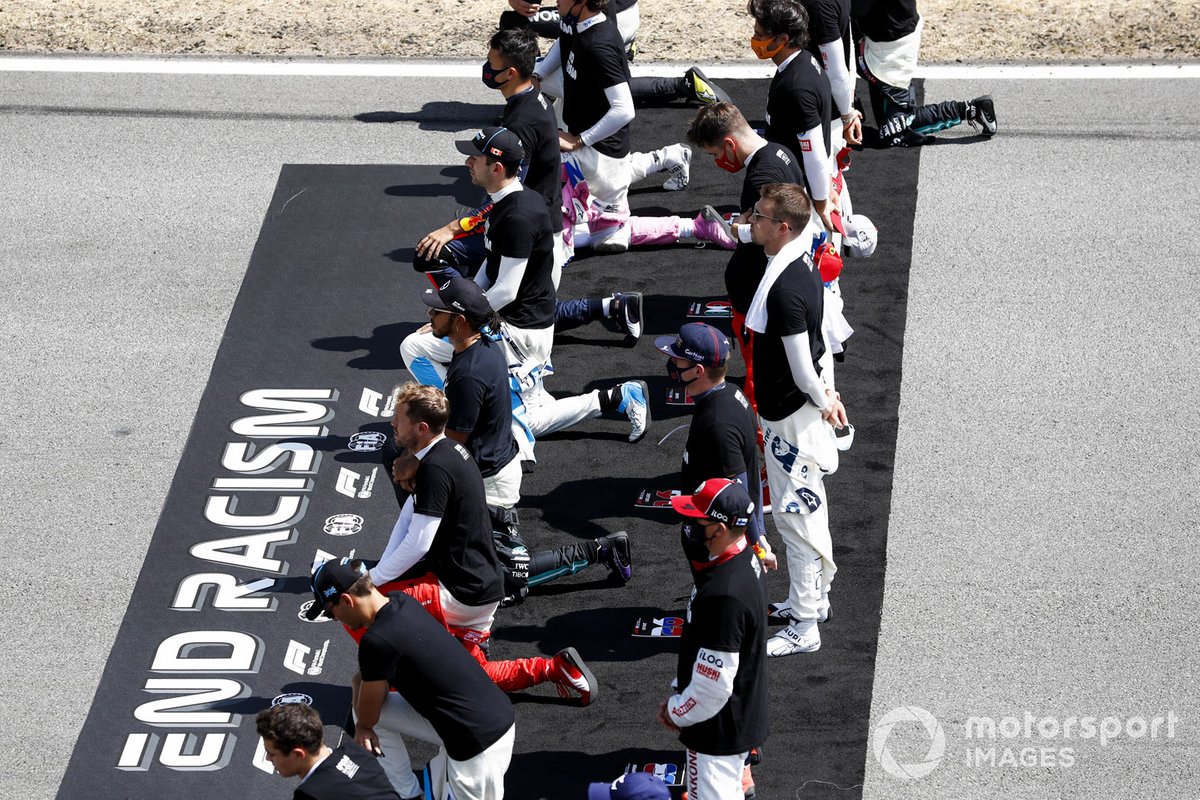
<point>981,113</point>
<point>614,551</point>
<point>571,677</point>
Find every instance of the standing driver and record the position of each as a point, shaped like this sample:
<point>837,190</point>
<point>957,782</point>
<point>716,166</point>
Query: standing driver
<point>720,709</point>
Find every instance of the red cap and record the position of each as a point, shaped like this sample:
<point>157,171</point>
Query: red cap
<point>717,498</point>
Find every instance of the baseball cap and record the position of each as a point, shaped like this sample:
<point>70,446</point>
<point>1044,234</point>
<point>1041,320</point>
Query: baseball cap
<point>459,296</point>
<point>331,579</point>
<point>860,236</point>
<point>718,498</point>
<point>631,786</point>
<point>697,342</point>
<point>499,143</point>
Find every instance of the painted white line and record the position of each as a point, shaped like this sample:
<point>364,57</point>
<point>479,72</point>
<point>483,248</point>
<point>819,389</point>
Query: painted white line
<point>1060,72</point>
<point>426,69</point>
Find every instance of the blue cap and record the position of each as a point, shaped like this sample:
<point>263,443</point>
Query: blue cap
<point>696,342</point>
<point>631,786</point>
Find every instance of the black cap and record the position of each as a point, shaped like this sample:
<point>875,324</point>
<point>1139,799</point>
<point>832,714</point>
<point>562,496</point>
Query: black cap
<point>696,342</point>
<point>499,143</point>
<point>460,296</point>
<point>330,581</point>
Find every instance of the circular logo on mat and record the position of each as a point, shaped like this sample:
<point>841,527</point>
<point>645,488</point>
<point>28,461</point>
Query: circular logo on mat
<point>304,609</point>
<point>367,441</point>
<point>343,524</point>
<point>292,697</point>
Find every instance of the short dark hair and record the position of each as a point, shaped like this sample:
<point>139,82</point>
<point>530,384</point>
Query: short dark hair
<point>716,374</point>
<point>426,404</point>
<point>291,725</point>
<point>791,203</point>
<point>713,123</point>
<point>510,169</point>
<point>364,585</point>
<point>597,5</point>
<point>518,47</point>
<point>787,17</point>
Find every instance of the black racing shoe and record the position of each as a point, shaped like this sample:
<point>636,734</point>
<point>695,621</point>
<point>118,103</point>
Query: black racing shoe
<point>626,307</point>
<point>699,88</point>
<point>615,552</point>
<point>896,133</point>
<point>981,113</point>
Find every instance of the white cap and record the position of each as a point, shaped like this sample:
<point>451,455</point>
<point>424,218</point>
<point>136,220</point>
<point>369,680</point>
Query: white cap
<point>861,236</point>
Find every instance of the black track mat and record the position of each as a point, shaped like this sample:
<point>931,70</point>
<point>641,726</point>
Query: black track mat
<point>326,300</point>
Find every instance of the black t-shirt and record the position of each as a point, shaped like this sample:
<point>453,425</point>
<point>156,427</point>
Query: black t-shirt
<point>481,404</point>
<point>798,100</point>
<point>771,164</point>
<point>722,440</point>
<point>430,669</point>
<point>519,227</point>
<point>728,612</point>
<point>592,62</point>
<point>884,20</point>
<point>348,773</point>
<point>795,304</point>
<point>829,20</point>
<point>531,118</point>
<point>462,555</point>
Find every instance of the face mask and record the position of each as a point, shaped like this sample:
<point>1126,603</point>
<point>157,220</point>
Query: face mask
<point>695,545</point>
<point>489,76</point>
<point>676,374</point>
<point>726,163</point>
<point>761,48</point>
<point>569,20</point>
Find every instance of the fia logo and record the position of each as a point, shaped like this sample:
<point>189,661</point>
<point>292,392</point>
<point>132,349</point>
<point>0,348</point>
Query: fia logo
<point>367,441</point>
<point>343,524</point>
<point>304,607</point>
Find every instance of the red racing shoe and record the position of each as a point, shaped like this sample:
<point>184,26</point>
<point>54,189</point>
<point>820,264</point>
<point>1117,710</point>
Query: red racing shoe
<point>572,678</point>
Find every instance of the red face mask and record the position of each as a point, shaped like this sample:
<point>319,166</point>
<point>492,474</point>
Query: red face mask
<point>761,48</point>
<point>726,163</point>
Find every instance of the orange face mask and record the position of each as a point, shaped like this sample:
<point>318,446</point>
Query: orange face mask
<point>761,49</point>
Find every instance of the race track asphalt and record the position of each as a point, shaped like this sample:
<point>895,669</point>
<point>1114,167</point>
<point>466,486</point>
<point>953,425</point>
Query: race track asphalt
<point>1041,563</point>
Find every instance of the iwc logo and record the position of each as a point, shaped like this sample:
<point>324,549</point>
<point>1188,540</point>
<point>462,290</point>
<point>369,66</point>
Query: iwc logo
<point>343,524</point>
<point>367,441</point>
<point>932,729</point>
<point>292,697</point>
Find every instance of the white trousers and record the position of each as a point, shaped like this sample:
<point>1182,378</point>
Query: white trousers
<point>546,414</point>
<point>714,777</point>
<point>477,778</point>
<point>799,451</point>
<point>608,182</point>
<point>504,488</point>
